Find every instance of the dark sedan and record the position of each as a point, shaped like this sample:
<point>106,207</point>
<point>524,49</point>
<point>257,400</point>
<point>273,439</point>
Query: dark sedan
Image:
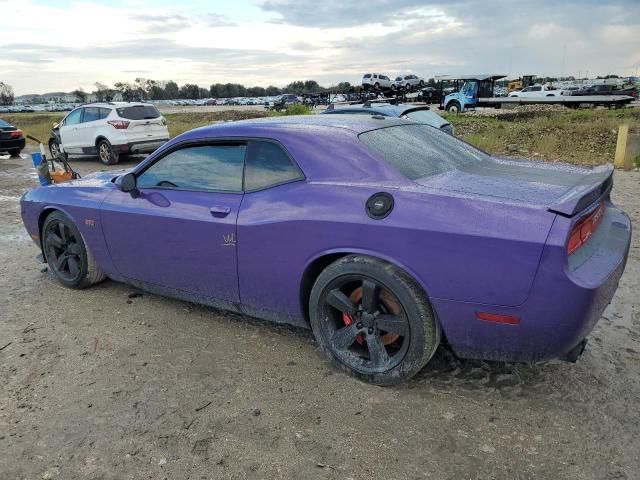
<point>11,139</point>
<point>400,110</point>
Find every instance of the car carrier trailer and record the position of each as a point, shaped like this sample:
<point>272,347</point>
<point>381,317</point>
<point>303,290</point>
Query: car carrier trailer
<point>473,91</point>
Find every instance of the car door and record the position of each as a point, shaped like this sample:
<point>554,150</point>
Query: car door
<point>273,191</point>
<point>180,230</point>
<point>69,131</point>
<point>85,131</point>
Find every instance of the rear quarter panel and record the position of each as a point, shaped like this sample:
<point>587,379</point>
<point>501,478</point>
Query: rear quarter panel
<point>457,249</point>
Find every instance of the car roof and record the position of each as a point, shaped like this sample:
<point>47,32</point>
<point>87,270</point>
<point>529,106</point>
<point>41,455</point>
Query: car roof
<point>384,108</point>
<point>116,104</point>
<point>355,124</point>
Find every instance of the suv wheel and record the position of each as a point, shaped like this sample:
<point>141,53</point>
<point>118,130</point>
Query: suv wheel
<point>54,148</point>
<point>107,154</point>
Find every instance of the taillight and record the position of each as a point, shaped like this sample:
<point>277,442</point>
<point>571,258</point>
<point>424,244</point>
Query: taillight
<point>583,230</point>
<point>16,134</point>
<point>118,124</point>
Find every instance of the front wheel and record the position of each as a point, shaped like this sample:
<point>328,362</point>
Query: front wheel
<point>107,154</point>
<point>453,107</point>
<point>373,320</point>
<point>54,148</point>
<point>66,253</point>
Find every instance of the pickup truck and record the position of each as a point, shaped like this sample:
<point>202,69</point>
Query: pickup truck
<point>533,91</point>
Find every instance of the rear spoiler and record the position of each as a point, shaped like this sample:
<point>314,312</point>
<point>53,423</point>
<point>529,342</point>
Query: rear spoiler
<point>597,184</point>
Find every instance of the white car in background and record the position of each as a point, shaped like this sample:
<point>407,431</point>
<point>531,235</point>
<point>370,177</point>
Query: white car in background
<point>376,80</point>
<point>407,81</point>
<point>534,91</point>
<point>108,130</point>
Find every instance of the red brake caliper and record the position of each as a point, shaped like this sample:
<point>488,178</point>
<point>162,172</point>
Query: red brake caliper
<point>348,320</point>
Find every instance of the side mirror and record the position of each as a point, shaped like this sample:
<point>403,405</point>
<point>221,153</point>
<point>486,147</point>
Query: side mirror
<point>128,184</point>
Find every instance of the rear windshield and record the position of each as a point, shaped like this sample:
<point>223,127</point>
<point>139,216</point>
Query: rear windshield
<point>3,123</point>
<point>417,152</point>
<point>138,112</point>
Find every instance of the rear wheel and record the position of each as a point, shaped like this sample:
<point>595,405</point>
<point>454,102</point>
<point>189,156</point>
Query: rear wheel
<point>373,320</point>
<point>107,154</point>
<point>66,253</point>
<point>15,152</point>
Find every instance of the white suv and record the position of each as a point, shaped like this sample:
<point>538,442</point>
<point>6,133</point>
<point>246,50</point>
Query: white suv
<point>407,82</point>
<point>109,130</point>
<point>376,80</point>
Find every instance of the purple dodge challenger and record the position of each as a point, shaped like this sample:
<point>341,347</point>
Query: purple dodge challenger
<point>382,235</point>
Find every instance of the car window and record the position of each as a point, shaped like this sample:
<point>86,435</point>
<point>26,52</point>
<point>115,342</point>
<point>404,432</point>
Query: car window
<point>202,168</point>
<point>91,114</point>
<point>398,79</point>
<point>268,165</point>
<point>384,77</point>
<point>104,112</point>
<point>367,75</point>
<point>138,112</point>
<point>4,124</point>
<point>536,89</point>
<point>418,152</point>
<point>74,117</point>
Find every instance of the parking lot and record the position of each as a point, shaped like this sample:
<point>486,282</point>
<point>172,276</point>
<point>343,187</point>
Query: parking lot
<point>108,384</point>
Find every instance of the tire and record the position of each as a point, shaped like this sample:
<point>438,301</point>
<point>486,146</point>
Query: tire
<point>107,154</point>
<point>376,86</point>
<point>453,107</point>
<point>54,149</point>
<point>373,320</point>
<point>70,262</point>
<point>421,83</point>
<point>15,152</point>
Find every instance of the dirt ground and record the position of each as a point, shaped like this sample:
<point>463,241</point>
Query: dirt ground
<point>98,385</point>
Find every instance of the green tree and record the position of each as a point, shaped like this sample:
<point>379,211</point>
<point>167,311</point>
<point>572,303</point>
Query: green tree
<point>171,90</point>
<point>6,94</point>
<point>81,94</point>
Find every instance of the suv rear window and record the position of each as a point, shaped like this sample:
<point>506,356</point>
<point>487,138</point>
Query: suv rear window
<point>138,112</point>
<point>417,152</point>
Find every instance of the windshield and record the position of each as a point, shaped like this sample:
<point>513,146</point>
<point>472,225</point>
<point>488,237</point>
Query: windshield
<point>3,123</point>
<point>418,152</point>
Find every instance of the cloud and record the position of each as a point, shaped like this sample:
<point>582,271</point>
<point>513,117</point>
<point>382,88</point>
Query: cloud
<point>218,20</point>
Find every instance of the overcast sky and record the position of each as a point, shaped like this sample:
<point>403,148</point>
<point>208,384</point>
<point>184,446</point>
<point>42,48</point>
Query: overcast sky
<point>62,45</point>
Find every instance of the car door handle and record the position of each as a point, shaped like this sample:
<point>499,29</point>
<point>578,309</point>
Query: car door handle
<point>220,211</point>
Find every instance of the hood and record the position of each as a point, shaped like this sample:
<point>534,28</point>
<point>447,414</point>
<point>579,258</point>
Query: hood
<point>561,188</point>
<point>96,179</point>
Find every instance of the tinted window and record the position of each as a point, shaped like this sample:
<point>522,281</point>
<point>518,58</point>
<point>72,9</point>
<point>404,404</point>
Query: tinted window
<point>104,112</point>
<point>207,167</point>
<point>73,117</point>
<point>367,75</point>
<point>536,89</point>
<point>398,79</point>
<point>416,151</point>
<point>91,114</point>
<point>138,112</point>
<point>268,165</point>
<point>384,77</point>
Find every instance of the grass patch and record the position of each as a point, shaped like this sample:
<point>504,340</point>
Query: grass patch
<point>583,136</point>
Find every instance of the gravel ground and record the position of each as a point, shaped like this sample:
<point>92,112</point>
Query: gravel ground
<point>102,384</point>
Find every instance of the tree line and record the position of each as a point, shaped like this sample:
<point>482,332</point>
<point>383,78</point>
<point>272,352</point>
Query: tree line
<point>147,89</point>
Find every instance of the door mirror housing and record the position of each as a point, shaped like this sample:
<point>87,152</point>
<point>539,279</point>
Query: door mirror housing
<point>128,184</point>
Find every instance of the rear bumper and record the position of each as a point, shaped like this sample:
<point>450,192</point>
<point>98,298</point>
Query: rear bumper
<point>146,146</point>
<point>12,144</point>
<point>563,307</point>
